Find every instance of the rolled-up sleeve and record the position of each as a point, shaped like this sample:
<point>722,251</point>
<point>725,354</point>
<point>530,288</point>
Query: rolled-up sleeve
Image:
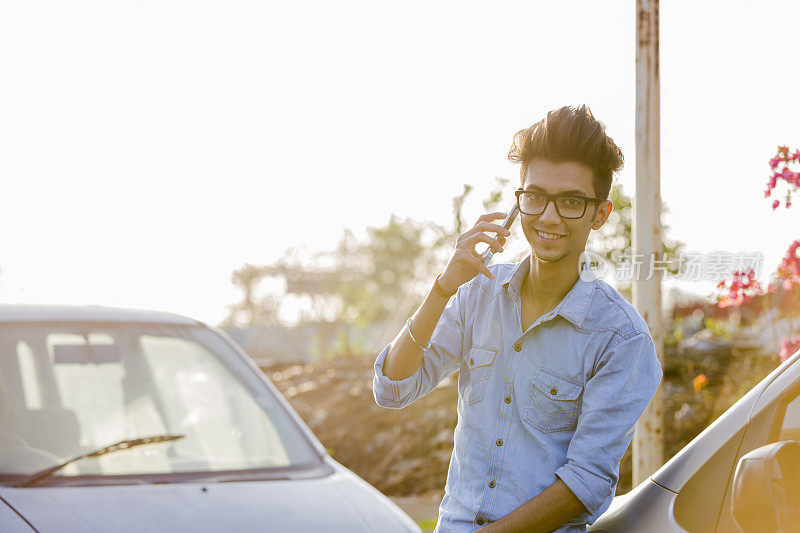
<point>624,383</point>
<point>439,361</point>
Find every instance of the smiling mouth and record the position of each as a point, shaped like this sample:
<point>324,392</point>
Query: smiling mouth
<point>548,236</point>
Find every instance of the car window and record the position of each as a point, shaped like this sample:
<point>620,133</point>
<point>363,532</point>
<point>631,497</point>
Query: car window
<point>790,428</point>
<point>32,394</point>
<point>698,504</point>
<point>226,422</point>
<point>69,389</point>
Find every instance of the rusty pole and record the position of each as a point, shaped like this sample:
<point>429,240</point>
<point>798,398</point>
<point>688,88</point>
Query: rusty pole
<point>648,438</point>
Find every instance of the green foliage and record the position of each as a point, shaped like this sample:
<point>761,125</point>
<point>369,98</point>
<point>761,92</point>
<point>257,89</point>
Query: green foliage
<point>428,523</point>
<point>251,310</point>
<point>358,283</point>
<point>496,199</point>
<point>393,258</point>
<point>458,205</point>
<point>675,335</point>
<point>718,327</point>
<point>615,239</point>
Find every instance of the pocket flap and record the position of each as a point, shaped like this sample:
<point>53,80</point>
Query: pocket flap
<point>556,387</point>
<point>480,356</point>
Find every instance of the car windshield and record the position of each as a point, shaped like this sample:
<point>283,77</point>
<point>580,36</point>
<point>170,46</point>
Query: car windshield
<point>71,388</point>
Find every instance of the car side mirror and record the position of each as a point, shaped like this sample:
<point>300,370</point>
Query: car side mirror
<point>766,489</point>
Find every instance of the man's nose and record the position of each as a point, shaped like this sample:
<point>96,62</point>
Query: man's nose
<point>550,214</point>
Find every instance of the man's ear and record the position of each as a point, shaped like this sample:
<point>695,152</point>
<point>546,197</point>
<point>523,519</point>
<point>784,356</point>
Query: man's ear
<point>601,214</point>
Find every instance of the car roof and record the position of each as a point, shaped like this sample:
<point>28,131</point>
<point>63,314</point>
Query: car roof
<point>87,313</point>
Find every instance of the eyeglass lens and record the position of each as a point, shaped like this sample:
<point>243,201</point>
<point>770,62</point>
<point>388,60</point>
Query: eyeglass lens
<point>567,206</point>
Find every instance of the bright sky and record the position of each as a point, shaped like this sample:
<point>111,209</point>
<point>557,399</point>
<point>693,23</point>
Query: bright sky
<point>150,148</point>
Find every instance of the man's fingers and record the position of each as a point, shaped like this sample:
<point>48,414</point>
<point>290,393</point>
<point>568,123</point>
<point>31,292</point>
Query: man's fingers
<point>465,252</point>
<point>482,268</point>
<point>474,239</point>
<point>491,216</point>
<point>486,226</point>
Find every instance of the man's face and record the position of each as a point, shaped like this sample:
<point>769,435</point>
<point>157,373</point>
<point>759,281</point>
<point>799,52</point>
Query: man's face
<point>556,178</point>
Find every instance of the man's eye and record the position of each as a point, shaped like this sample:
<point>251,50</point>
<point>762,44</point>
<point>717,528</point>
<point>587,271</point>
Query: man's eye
<point>535,196</point>
<point>571,201</point>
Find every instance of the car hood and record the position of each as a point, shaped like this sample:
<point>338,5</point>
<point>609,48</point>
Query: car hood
<point>338,502</point>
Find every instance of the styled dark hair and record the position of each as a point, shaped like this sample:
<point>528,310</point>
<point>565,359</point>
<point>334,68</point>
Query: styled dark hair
<point>569,135</point>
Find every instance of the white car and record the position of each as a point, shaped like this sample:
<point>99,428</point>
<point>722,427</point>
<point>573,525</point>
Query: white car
<point>130,420</point>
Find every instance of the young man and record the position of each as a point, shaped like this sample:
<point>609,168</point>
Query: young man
<point>555,367</point>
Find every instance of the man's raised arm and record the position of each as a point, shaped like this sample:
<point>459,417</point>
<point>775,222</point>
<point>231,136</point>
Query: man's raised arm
<point>402,373</point>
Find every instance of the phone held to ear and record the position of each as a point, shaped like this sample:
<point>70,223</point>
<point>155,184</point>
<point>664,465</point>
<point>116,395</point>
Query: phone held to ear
<point>512,215</point>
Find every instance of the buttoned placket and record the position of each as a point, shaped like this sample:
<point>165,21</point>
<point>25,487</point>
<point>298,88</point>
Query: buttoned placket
<point>506,409</point>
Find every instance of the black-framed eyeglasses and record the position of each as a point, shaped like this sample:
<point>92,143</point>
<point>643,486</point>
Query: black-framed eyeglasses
<point>567,205</point>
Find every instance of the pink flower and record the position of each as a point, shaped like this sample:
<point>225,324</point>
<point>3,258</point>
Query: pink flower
<point>796,156</point>
<point>789,346</point>
<point>775,204</point>
<point>742,287</point>
<point>774,162</point>
<point>787,285</point>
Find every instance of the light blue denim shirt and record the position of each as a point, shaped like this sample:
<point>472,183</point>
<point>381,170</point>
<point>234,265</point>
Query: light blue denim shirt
<point>560,399</point>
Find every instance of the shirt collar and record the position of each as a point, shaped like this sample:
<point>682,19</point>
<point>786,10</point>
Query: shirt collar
<point>575,304</point>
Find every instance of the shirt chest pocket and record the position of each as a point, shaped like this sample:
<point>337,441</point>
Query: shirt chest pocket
<point>480,360</point>
<point>553,402</point>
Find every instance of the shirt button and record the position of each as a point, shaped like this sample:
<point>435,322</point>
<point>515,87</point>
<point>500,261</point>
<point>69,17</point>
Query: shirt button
<point>491,484</point>
<point>479,521</point>
<point>472,361</point>
<point>553,391</point>
<point>517,347</point>
<point>508,399</point>
<point>499,442</point>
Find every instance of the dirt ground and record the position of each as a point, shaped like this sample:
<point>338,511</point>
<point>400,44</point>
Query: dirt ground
<point>405,453</point>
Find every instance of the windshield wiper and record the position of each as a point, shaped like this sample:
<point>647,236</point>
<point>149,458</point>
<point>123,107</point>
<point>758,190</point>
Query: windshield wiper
<point>121,445</point>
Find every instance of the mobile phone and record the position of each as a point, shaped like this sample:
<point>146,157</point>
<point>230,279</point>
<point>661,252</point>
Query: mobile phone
<point>512,215</point>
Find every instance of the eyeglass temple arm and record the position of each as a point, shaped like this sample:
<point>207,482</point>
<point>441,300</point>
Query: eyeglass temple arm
<point>512,215</point>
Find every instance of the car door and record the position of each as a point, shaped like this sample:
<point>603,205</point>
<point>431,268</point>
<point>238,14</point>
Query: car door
<point>775,417</point>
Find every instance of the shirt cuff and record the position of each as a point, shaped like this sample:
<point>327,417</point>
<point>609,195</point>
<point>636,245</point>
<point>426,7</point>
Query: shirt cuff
<point>389,392</point>
<point>590,489</point>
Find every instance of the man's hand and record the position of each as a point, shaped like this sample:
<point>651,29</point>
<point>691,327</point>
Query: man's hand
<point>465,262</point>
<point>547,511</point>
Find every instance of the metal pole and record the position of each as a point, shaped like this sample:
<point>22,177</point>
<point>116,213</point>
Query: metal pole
<point>648,438</point>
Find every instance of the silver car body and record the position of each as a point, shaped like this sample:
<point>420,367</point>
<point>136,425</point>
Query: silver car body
<point>692,491</point>
<point>327,497</point>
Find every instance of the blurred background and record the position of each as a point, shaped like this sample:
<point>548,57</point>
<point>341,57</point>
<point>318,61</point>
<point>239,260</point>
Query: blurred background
<point>297,173</point>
